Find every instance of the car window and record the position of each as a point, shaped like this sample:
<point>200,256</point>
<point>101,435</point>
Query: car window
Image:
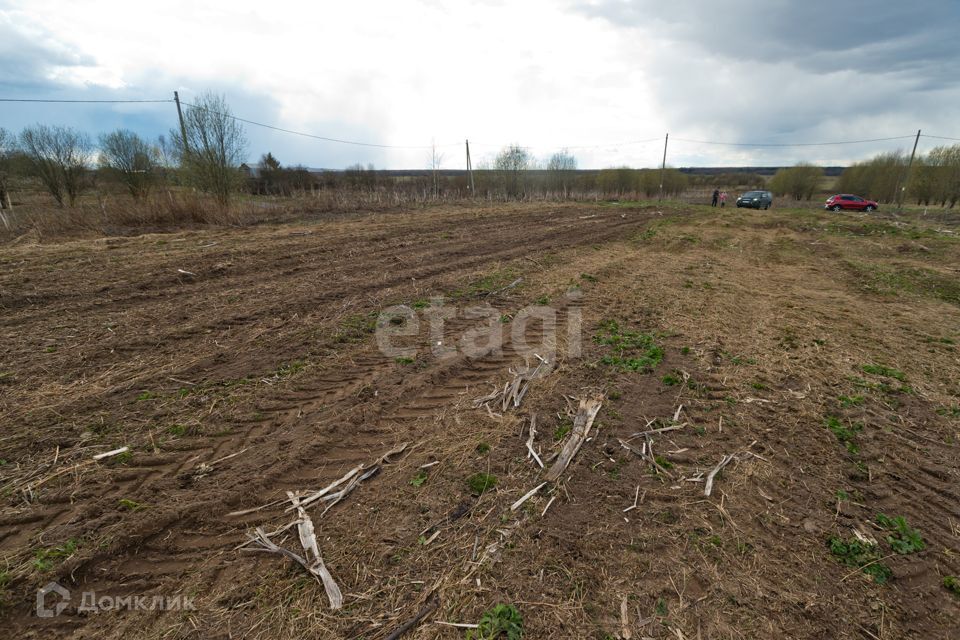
<point>856,198</point>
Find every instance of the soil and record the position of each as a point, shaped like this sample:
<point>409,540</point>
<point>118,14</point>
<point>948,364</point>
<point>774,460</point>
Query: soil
<point>241,364</point>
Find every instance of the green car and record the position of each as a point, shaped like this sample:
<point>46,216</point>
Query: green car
<point>756,200</point>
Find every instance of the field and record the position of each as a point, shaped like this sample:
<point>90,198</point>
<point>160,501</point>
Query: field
<point>240,364</point>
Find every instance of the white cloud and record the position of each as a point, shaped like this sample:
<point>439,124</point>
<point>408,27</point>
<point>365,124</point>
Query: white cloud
<point>540,73</point>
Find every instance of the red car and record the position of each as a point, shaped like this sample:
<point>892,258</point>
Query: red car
<point>848,201</point>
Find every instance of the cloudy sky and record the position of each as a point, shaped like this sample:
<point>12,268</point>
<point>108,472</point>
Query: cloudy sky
<point>605,78</point>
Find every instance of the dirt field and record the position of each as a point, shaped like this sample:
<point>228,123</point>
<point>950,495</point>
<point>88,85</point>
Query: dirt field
<point>241,364</point>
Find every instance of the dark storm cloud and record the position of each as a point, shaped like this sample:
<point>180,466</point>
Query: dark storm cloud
<point>795,71</point>
<point>818,35</point>
<point>28,59</point>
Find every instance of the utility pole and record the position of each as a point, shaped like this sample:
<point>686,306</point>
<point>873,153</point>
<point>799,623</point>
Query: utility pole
<point>183,128</point>
<point>469,171</point>
<point>663,167</point>
<point>902,188</point>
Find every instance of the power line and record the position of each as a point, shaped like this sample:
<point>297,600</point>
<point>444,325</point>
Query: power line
<point>318,137</point>
<point>83,101</point>
<point>789,144</point>
<point>925,135</point>
<point>454,144</point>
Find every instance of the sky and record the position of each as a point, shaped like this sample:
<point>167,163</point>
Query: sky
<point>606,79</point>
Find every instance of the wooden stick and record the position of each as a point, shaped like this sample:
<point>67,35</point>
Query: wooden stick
<point>430,607</point>
<point>330,487</point>
<point>526,496</point>
<point>533,433</point>
<point>548,506</point>
<point>727,459</point>
<point>311,549</point>
<point>108,454</point>
<point>586,414</point>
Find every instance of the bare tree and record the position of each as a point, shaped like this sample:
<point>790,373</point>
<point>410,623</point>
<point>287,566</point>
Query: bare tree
<point>510,164</point>
<point>7,148</point>
<point>561,167</point>
<point>214,147</point>
<point>59,156</point>
<point>436,160</point>
<point>131,160</point>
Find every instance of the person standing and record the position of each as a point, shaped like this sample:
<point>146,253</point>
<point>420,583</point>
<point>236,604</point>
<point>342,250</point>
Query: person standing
<point>723,199</point>
<point>716,196</point>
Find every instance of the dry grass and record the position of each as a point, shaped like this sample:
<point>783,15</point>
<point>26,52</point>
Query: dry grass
<point>757,308</point>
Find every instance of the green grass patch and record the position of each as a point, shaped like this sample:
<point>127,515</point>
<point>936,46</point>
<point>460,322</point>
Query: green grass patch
<point>355,328</point>
<point>903,538</point>
<point>418,479</point>
<point>481,482</point>
<point>403,360</point>
<point>129,505</point>
<point>952,584</point>
<point>502,621</point>
<point>884,371</point>
<point>851,401</point>
<point>845,433</point>
<point>855,553</point>
<point>631,350</point>
<point>45,559</point>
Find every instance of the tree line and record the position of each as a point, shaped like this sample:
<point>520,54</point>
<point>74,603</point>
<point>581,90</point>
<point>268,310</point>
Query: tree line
<point>208,154</point>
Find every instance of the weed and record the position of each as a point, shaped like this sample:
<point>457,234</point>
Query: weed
<point>700,430</point>
<point>588,277</point>
<point>483,447</point>
<point>614,395</point>
<point>661,608</point>
<point>403,360</point>
<point>952,585</point>
<point>420,304</point>
<point>290,369</point>
<point>481,482</point>
<point>51,349</point>
<point>886,372</point>
<point>355,328</point>
<point>842,495</point>
<point>738,360</point>
<point>502,621</point>
<point>904,539</point>
<point>419,478</point>
<point>6,377</point>
<point>844,434</point>
<point>565,426</point>
<point>633,351</point>
<point>504,319</point>
<point>866,556</point>
<point>147,395</point>
<point>130,505</point>
<point>759,386</point>
<point>685,351</point>
<point>850,401</point>
<point>177,430</point>
<point>543,300</point>
<point>122,458</point>
<point>671,379</point>
<point>663,462</point>
<point>487,284</point>
<point>43,559</point>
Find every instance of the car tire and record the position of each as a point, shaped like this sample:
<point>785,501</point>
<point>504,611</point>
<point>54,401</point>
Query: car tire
<point>869,208</point>
<point>837,208</point>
